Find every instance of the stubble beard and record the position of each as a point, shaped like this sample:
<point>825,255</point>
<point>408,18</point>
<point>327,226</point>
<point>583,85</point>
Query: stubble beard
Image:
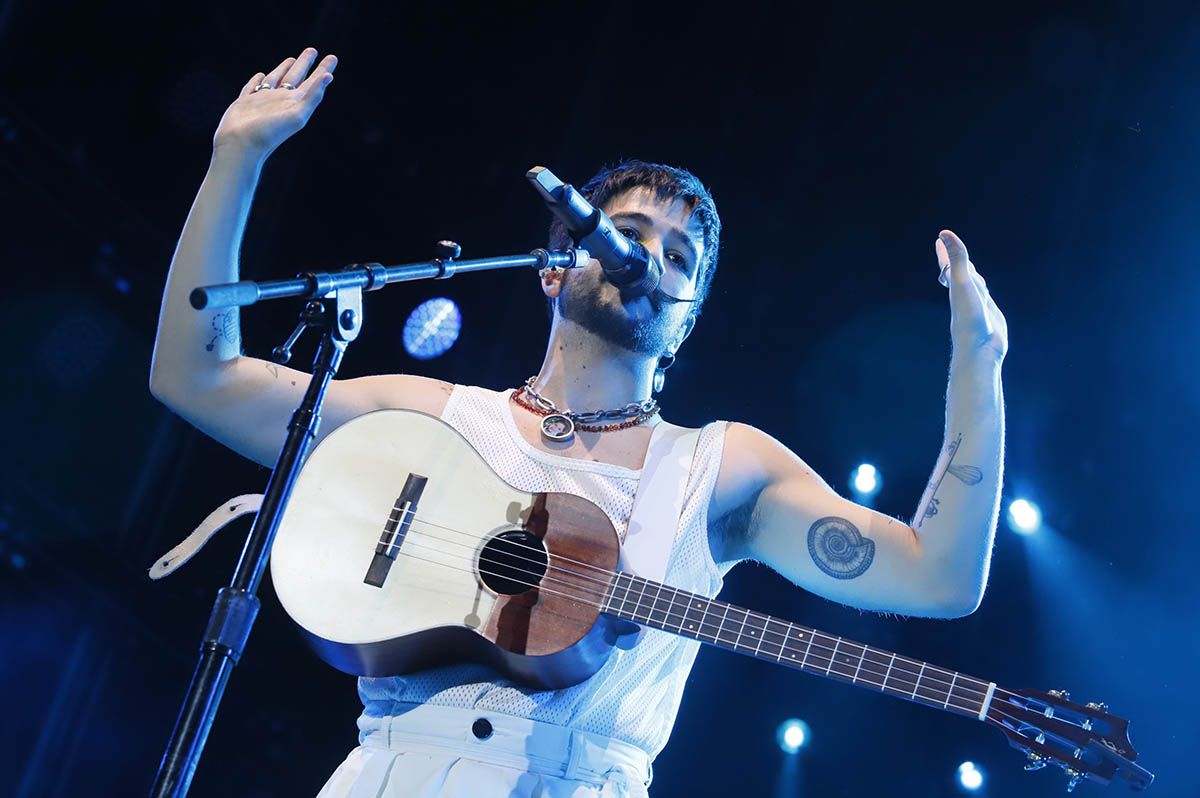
<point>590,301</point>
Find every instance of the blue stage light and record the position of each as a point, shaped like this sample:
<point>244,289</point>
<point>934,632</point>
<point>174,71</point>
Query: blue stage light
<point>1024,517</point>
<point>432,328</point>
<point>970,777</point>
<point>792,735</point>
<point>865,480</point>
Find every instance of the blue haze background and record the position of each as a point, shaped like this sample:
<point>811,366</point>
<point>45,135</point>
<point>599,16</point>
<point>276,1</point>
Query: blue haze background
<point>1060,141</point>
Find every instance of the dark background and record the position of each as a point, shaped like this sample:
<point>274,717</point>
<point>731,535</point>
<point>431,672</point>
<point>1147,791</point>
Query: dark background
<point>838,138</point>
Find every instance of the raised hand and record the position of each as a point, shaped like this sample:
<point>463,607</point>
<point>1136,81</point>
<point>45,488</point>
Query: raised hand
<point>259,120</point>
<point>976,325</point>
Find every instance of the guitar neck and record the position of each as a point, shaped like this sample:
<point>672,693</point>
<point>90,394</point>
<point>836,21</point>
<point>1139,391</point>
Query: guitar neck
<point>764,637</point>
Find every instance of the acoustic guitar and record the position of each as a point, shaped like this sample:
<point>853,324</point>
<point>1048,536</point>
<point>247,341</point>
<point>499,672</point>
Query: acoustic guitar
<point>401,550</point>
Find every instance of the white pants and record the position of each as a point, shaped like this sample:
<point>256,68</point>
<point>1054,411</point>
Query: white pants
<point>423,751</point>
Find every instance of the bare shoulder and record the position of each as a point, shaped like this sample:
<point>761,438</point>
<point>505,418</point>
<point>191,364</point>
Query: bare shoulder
<point>751,461</point>
<point>401,392</point>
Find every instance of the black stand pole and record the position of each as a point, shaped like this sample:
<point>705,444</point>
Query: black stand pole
<point>335,306</point>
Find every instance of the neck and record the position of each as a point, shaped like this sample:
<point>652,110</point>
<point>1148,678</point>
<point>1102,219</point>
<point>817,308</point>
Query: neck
<point>583,372</point>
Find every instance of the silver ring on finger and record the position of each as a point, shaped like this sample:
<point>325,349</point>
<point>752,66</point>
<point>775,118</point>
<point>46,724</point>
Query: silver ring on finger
<point>286,86</point>
<point>263,85</point>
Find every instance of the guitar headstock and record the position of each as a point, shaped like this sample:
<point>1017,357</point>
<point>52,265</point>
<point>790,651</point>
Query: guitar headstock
<point>1083,739</point>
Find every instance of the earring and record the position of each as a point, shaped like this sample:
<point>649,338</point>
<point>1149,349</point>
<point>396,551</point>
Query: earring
<point>660,371</point>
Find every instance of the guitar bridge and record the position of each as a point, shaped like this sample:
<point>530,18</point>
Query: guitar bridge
<point>395,530</point>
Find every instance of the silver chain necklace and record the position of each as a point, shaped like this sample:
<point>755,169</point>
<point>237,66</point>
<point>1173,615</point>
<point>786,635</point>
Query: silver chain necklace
<point>560,425</point>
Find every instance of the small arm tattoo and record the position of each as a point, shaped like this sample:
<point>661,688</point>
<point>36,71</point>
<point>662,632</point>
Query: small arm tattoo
<point>968,475</point>
<point>839,549</point>
<point>226,327</point>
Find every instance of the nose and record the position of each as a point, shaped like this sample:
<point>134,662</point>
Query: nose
<point>654,244</point>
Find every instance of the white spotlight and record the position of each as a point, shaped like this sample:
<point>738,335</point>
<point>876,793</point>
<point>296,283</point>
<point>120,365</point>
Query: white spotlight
<point>1024,517</point>
<point>792,735</point>
<point>865,480</point>
<point>432,328</point>
<point>970,777</point>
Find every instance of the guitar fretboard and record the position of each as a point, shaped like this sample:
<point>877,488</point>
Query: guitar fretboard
<point>767,638</point>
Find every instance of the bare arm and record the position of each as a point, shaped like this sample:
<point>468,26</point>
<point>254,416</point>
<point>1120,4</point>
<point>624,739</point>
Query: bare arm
<point>198,369</point>
<point>793,521</point>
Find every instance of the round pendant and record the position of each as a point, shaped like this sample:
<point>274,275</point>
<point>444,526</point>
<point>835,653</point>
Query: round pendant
<point>557,427</point>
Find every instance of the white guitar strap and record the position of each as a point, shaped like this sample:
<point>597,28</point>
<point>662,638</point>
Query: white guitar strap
<point>654,521</point>
<point>216,520</point>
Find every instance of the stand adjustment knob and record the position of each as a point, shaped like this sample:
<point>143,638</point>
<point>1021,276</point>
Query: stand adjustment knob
<point>448,250</point>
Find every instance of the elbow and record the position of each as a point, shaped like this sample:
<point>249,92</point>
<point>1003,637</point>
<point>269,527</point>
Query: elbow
<point>161,389</point>
<point>959,604</point>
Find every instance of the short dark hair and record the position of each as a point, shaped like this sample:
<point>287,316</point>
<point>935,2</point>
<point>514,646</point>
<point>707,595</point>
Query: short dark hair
<point>668,183</point>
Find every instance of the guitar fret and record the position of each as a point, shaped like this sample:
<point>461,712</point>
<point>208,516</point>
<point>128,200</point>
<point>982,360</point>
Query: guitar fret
<point>833,656</point>
<point>950,692</point>
<point>761,632</point>
<point>721,625</point>
<point>934,691</point>
<point>625,599</point>
<point>704,617</point>
<point>613,594</point>
<point>670,608</point>
<point>766,652</point>
<point>641,595</point>
<point>811,635</point>
<point>738,639</point>
<point>918,683</point>
<point>653,606</point>
<point>787,632</point>
<point>883,687</point>
<point>861,657</point>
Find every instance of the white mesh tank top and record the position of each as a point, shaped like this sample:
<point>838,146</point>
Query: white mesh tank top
<point>635,696</point>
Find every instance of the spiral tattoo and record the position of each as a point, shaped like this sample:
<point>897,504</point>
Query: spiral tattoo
<point>839,549</point>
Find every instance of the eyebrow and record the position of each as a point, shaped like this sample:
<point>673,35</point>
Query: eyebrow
<point>642,218</point>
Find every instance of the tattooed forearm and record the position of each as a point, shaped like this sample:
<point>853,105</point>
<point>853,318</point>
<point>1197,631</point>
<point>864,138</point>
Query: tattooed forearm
<point>839,549</point>
<point>967,474</point>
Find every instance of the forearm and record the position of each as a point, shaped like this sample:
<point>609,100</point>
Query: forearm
<point>192,347</point>
<point>956,518</point>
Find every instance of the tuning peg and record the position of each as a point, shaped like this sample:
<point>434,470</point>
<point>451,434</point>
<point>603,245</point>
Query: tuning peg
<point>1063,694</point>
<point>1099,706</point>
<point>1074,778</point>
<point>1036,761</point>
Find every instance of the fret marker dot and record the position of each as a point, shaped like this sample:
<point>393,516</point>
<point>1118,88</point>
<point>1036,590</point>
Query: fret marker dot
<point>690,626</point>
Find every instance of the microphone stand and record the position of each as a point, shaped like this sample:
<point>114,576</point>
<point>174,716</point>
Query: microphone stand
<point>334,307</point>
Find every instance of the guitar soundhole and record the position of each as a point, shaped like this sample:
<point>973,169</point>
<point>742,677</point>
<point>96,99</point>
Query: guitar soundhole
<point>512,562</point>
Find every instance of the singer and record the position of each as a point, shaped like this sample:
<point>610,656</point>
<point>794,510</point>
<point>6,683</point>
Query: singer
<point>461,731</point>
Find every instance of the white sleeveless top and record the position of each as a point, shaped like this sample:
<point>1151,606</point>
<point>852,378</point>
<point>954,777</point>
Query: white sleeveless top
<point>635,696</point>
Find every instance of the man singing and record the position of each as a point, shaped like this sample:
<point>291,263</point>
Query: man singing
<point>463,730</point>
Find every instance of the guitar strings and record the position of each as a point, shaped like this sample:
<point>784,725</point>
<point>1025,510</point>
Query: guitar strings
<point>604,585</point>
<point>882,686</point>
<point>931,678</point>
<point>749,613</point>
<point>808,650</point>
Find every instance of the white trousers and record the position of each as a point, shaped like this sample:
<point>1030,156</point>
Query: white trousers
<point>423,751</point>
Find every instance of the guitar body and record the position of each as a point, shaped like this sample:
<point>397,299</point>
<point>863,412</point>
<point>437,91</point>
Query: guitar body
<point>401,550</point>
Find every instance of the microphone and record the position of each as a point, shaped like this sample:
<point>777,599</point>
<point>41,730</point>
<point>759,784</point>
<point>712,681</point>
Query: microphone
<point>627,264</point>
